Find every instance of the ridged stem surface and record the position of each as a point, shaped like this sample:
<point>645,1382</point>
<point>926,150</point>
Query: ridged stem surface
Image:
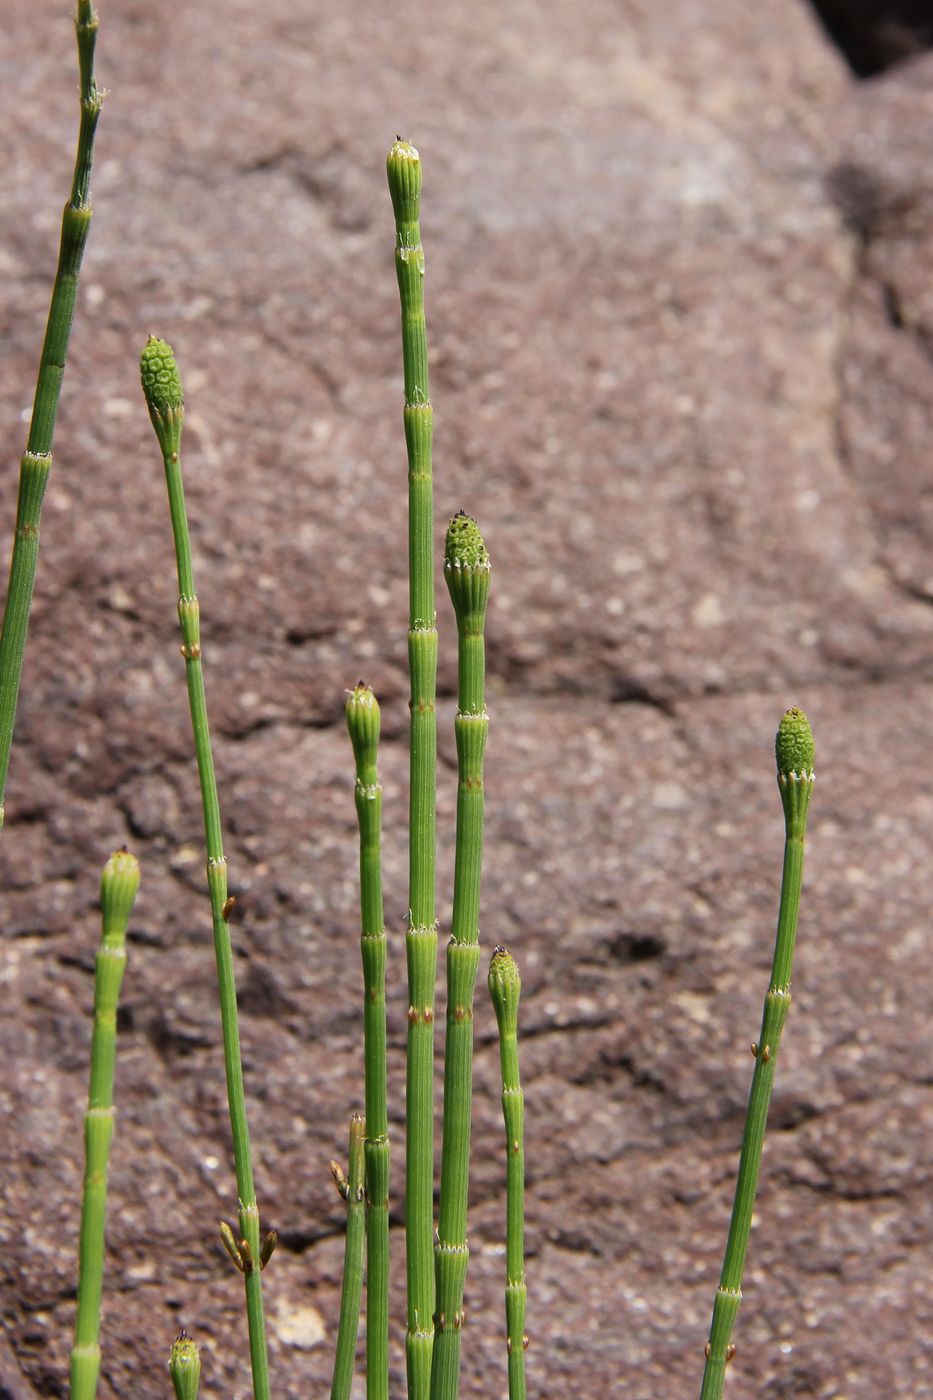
<point>167,422</point>
<point>796,790</point>
<point>118,890</point>
<point>36,462</point>
<point>469,588</point>
<point>363,724</point>
<point>505,989</point>
<point>404,173</point>
<point>352,1289</point>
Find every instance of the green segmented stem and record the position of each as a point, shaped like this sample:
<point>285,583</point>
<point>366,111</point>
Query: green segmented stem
<point>118,886</point>
<point>162,389</point>
<point>36,462</point>
<point>467,573</point>
<point>794,753</point>
<point>404,173</point>
<point>505,987</point>
<point>363,724</point>
<point>353,1189</point>
<point>184,1367</point>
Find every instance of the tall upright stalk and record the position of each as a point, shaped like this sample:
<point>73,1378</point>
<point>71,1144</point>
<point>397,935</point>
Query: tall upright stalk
<point>163,392</point>
<point>794,752</point>
<point>505,987</point>
<point>363,725</point>
<point>118,886</point>
<point>36,462</point>
<point>404,173</point>
<point>353,1190</point>
<point>466,570</point>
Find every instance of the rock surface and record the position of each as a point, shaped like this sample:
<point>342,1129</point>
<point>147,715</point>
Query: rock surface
<point>678,280</point>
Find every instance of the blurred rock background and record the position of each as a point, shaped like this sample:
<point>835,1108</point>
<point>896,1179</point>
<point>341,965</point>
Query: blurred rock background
<point>679,272</point>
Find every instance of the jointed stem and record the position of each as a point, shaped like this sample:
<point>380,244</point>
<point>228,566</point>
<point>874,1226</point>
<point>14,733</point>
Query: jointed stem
<point>404,173</point>
<point>162,388</point>
<point>363,724</point>
<point>795,780</point>
<point>505,989</point>
<point>466,569</point>
<point>353,1190</point>
<point>36,462</point>
<point>118,886</point>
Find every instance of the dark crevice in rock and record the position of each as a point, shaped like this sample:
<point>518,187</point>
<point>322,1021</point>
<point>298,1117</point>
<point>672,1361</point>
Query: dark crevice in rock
<point>873,35</point>
<point>299,1241</point>
<point>579,1023</point>
<point>628,691</point>
<point>171,1040</point>
<point>611,1064</point>
<point>870,211</point>
<point>843,1191</point>
<point>297,636</point>
<point>789,1115</point>
<point>892,307</point>
<point>242,733</point>
<point>628,947</point>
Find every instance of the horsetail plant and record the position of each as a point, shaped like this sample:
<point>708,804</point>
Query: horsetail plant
<point>403,167</point>
<point>467,572</point>
<point>363,722</point>
<point>794,753</point>
<point>353,1190</point>
<point>184,1367</point>
<point>118,887</point>
<point>162,389</point>
<point>36,462</point>
<point>505,988</point>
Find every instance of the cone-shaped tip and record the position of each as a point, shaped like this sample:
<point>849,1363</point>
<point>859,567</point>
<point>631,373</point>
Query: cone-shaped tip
<point>793,746</point>
<point>119,883</point>
<point>505,989</point>
<point>463,544</point>
<point>160,378</point>
<point>403,167</point>
<point>161,383</point>
<point>185,1368</point>
<point>467,571</point>
<point>363,722</point>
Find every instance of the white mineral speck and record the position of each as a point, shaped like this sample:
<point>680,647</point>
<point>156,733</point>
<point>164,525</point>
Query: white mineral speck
<point>301,1327</point>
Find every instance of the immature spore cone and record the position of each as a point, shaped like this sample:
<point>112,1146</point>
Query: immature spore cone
<point>403,167</point>
<point>467,573</point>
<point>161,384</point>
<point>793,745</point>
<point>184,1367</point>
<point>794,754</point>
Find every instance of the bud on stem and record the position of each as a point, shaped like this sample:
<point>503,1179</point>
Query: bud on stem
<point>184,1367</point>
<point>467,573</point>
<point>158,372</point>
